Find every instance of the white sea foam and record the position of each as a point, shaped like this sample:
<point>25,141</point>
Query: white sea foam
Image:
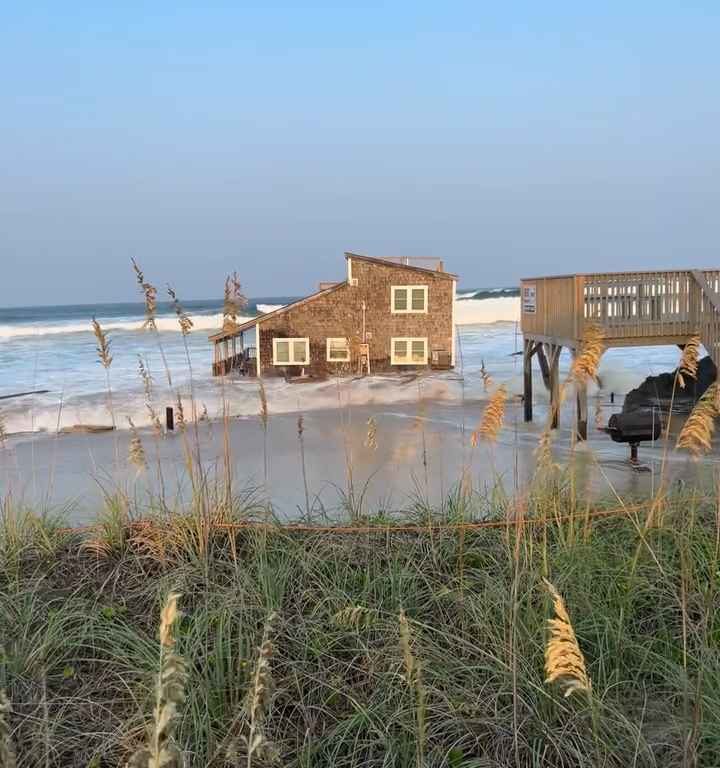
<point>504,309</point>
<point>165,323</point>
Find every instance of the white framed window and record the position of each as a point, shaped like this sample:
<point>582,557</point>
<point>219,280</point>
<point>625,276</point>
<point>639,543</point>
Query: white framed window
<point>338,350</point>
<point>408,351</point>
<point>408,299</point>
<point>291,351</point>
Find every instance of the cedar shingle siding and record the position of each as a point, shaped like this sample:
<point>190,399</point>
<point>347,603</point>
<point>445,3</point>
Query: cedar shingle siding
<point>338,313</point>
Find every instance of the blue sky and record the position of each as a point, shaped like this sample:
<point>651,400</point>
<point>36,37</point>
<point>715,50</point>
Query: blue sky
<point>507,138</point>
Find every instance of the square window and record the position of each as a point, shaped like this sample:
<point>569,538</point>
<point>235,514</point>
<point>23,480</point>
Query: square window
<point>291,351</point>
<point>408,351</point>
<point>407,299</point>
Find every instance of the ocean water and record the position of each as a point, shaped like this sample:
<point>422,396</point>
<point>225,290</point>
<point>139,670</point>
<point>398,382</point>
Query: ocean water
<point>54,349</point>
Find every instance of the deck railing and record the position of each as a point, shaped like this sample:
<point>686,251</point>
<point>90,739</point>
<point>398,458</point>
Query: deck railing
<point>630,306</point>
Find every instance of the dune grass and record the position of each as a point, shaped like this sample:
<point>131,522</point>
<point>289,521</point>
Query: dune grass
<point>376,648</point>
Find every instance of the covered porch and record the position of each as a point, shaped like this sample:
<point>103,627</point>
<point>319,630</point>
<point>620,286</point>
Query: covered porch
<point>231,351</point>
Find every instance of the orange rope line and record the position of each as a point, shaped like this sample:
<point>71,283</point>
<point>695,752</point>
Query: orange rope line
<point>402,528</point>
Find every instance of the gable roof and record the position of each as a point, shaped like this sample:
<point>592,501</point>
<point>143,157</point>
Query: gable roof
<point>240,327</point>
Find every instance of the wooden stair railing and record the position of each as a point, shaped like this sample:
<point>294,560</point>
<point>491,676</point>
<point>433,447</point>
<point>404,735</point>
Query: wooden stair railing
<point>707,310</point>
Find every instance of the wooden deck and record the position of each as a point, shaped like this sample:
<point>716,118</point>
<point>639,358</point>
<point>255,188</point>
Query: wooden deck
<point>633,308</point>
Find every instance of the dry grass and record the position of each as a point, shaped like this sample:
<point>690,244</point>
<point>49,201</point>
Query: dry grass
<point>564,661</point>
<point>688,365</point>
<point>586,364</point>
<point>697,432</point>
<point>492,420</point>
<point>161,751</point>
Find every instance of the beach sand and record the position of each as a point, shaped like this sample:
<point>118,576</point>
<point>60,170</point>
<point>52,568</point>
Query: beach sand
<point>72,471</point>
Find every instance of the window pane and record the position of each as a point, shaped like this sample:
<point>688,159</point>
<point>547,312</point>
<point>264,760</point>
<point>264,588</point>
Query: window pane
<point>418,351</point>
<point>418,299</point>
<point>282,351</point>
<point>401,298</point>
<point>400,349</point>
<point>299,352</point>
<point>338,349</point>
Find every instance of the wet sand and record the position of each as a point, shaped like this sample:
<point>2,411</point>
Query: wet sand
<point>421,451</point>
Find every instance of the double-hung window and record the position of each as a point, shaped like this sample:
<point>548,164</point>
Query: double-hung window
<point>408,299</point>
<point>407,351</point>
<point>338,350</point>
<point>291,351</point>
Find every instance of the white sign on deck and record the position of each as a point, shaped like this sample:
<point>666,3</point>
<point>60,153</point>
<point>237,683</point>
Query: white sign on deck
<point>529,299</point>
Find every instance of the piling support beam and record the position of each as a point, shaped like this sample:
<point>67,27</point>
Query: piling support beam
<point>528,350</point>
<point>581,408</point>
<point>555,350</point>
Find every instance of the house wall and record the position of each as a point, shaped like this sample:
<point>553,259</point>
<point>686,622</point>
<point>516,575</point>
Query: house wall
<point>339,313</point>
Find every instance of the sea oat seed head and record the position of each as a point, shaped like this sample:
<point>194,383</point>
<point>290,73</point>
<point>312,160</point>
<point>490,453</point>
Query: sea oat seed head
<point>688,365</point>
<point>149,292</point>
<point>103,345</point>
<point>492,419</point>
<point>184,321</point>
<point>586,364</point>
<point>697,432</point>
<point>564,661</point>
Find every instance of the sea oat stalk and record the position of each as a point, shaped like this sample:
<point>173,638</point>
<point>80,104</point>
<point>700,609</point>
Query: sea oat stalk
<point>161,751</point>
<point>234,302</point>
<point>105,359</point>
<point>414,680</point>
<point>149,292</point>
<point>256,741</point>
<point>136,452</point>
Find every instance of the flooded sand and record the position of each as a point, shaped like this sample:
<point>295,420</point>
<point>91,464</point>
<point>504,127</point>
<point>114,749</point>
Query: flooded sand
<point>420,451</point>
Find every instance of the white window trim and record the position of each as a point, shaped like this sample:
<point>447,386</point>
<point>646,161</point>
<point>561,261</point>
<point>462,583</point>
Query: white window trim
<point>292,361</point>
<point>407,360</point>
<point>409,310</point>
<point>345,359</point>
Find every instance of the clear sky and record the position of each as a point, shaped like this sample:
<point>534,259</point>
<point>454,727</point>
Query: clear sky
<point>506,137</point>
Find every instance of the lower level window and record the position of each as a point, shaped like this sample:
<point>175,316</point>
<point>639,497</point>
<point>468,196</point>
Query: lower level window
<point>338,350</point>
<point>408,351</point>
<point>291,351</point>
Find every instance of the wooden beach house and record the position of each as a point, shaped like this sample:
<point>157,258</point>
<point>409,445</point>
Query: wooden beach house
<point>388,314</point>
<point>634,309</point>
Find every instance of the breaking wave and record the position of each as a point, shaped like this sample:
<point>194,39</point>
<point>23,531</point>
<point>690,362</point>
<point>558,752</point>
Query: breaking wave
<point>493,308</point>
